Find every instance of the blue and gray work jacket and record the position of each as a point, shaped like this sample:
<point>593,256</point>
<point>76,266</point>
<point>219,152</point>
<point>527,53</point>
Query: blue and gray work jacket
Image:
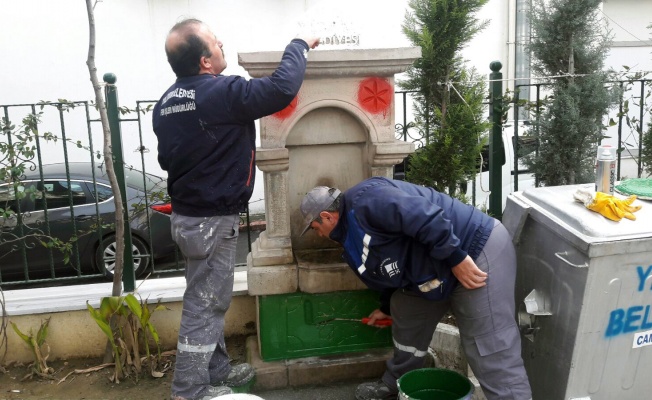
<point>400,235</point>
<point>207,138</point>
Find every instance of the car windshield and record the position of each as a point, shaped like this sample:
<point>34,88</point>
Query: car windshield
<point>134,178</point>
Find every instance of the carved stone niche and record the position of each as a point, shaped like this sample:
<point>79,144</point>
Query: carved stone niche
<point>339,130</point>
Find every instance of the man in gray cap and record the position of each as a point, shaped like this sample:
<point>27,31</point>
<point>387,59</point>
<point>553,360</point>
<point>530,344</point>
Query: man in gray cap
<point>427,253</point>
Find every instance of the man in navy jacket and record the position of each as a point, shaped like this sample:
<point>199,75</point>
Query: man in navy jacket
<point>206,142</point>
<point>427,253</point>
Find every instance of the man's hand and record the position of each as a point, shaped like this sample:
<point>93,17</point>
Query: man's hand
<point>312,42</point>
<point>376,315</point>
<point>469,275</point>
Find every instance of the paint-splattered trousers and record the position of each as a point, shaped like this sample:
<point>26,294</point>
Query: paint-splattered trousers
<point>485,318</point>
<point>208,245</point>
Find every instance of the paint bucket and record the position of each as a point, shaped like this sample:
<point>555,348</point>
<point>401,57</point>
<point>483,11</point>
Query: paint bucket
<point>434,384</point>
<point>237,396</point>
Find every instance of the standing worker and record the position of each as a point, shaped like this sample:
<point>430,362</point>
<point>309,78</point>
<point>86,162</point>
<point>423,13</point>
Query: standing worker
<point>206,142</point>
<point>427,252</point>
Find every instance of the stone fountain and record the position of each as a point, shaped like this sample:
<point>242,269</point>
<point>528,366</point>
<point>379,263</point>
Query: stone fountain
<point>339,130</point>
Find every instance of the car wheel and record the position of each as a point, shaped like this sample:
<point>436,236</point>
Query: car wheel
<point>105,256</point>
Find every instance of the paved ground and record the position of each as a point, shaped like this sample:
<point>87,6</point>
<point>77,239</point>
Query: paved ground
<point>340,391</point>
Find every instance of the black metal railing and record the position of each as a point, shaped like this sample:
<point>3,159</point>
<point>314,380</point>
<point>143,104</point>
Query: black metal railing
<point>61,118</point>
<point>66,132</point>
<point>630,115</point>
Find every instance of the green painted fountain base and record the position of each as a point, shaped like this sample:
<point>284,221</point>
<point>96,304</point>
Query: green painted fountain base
<point>296,325</point>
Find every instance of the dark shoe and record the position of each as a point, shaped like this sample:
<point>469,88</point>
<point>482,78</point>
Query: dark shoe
<point>240,375</point>
<point>214,391</point>
<point>375,391</point>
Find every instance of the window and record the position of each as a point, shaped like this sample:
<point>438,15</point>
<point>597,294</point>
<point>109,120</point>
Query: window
<point>134,178</point>
<point>104,193</point>
<point>8,198</point>
<point>58,193</point>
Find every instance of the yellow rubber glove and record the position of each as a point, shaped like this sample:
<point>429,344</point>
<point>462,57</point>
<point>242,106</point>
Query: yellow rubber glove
<point>626,204</point>
<point>613,208</point>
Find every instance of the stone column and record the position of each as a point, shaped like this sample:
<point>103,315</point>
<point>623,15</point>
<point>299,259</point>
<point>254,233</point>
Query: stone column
<point>271,262</point>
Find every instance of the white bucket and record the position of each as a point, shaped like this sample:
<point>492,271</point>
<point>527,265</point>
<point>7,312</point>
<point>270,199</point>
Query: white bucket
<point>238,396</point>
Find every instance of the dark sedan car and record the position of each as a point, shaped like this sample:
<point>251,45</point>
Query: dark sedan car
<point>67,205</point>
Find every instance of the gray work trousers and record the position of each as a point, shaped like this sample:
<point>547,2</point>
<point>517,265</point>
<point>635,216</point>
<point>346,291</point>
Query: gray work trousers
<point>208,245</point>
<point>486,320</point>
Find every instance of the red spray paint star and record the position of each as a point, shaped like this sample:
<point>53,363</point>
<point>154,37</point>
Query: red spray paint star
<point>287,111</point>
<point>375,95</point>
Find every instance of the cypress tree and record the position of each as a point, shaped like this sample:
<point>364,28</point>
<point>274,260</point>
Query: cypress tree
<point>569,39</point>
<point>448,105</point>
<point>646,153</point>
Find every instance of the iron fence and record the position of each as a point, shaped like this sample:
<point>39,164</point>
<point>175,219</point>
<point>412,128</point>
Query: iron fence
<point>61,193</point>
<point>67,132</point>
<point>630,115</point>
<point>625,125</point>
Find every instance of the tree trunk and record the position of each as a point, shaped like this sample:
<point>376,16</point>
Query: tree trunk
<point>108,161</point>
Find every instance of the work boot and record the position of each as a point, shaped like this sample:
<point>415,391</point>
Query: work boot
<point>211,392</point>
<point>375,391</point>
<point>240,375</point>
<point>214,391</point>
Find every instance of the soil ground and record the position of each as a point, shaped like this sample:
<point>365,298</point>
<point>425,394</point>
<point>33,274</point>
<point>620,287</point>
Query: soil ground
<point>94,385</point>
<point>97,386</point>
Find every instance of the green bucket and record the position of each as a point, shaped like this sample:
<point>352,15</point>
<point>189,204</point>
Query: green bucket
<point>434,384</point>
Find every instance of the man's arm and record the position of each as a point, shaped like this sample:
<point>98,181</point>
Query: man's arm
<point>390,209</point>
<point>312,42</point>
<point>259,97</point>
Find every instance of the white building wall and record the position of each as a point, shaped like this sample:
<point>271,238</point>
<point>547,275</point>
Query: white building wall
<point>629,19</point>
<point>632,48</point>
<point>44,46</point>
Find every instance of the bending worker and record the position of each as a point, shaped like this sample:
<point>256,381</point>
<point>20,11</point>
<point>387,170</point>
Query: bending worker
<point>206,142</point>
<point>428,253</point>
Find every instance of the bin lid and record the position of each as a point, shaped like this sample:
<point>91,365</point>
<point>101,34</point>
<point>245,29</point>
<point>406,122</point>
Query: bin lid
<point>559,203</point>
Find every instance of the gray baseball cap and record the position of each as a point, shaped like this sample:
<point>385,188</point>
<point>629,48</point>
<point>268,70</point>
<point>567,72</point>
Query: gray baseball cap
<point>314,202</point>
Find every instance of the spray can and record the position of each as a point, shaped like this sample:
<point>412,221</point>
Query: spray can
<point>605,172</point>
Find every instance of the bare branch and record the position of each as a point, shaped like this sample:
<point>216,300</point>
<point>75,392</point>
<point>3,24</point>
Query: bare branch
<point>108,155</point>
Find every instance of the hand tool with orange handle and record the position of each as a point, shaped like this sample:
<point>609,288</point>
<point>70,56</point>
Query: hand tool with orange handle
<point>379,322</point>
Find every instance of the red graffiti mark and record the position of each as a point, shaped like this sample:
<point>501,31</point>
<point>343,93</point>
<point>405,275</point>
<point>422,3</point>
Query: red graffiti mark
<point>287,111</point>
<point>375,95</point>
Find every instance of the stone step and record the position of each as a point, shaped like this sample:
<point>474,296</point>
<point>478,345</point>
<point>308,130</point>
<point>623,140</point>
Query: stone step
<point>310,371</point>
<point>445,349</point>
